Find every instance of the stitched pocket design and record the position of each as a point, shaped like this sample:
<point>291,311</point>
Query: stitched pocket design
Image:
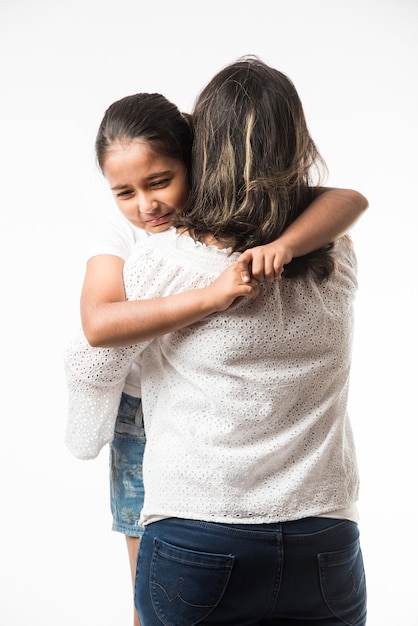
<point>186,585</point>
<point>344,585</point>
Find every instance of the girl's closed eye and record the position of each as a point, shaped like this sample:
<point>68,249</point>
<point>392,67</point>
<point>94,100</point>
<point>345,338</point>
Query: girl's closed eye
<point>124,193</point>
<point>160,183</point>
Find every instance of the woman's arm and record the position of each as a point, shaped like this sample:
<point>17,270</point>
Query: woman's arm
<point>328,217</point>
<point>111,321</point>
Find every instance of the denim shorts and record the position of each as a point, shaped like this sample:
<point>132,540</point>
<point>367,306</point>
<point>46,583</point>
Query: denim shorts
<point>126,454</point>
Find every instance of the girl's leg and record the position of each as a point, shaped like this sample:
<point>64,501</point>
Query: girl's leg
<point>132,544</point>
<point>126,484</point>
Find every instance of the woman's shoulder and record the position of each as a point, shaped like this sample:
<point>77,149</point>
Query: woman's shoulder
<point>345,262</point>
<point>345,252</point>
<point>173,245</point>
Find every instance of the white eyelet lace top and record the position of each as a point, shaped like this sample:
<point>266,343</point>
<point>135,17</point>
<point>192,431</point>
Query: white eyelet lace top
<point>246,411</point>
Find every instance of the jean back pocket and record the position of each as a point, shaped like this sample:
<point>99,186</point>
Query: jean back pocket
<point>343,584</point>
<point>187,585</point>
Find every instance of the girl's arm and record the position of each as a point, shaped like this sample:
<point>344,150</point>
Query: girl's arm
<point>95,376</point>
<point>109,320</point>
<point>328,217</point>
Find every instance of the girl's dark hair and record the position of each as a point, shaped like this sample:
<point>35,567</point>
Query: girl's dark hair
<point>254,164</point>
<point>151,118</point>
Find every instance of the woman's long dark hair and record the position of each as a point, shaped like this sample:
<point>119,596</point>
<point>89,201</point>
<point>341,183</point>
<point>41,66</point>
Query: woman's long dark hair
<point>253,162</point>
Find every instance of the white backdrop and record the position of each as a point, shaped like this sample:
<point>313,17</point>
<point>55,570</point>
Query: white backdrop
<point>354,63</point>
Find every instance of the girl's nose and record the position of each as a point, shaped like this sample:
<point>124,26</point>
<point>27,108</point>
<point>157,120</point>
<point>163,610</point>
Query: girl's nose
<point>147,204</point>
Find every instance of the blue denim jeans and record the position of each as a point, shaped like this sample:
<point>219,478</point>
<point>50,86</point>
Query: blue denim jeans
<point>307,572</point>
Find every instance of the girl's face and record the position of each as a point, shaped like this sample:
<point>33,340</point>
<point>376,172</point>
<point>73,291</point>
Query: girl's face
<point>149,189</point>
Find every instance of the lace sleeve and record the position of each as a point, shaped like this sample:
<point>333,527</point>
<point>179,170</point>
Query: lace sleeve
<point>95,379</point>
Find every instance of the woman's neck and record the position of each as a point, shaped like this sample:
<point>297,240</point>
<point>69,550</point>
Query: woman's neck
<point>209,240</point>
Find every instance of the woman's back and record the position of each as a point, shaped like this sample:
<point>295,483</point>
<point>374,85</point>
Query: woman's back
<point>257,395</point>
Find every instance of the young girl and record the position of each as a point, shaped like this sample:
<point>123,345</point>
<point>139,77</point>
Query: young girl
<point>143,148</point>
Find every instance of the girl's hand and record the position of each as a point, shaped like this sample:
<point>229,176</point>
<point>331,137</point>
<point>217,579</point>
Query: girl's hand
<point>264,263</point>
<point>231,285</point>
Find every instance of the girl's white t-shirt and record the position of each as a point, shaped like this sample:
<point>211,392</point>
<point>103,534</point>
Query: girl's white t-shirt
<point>116,236</point>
